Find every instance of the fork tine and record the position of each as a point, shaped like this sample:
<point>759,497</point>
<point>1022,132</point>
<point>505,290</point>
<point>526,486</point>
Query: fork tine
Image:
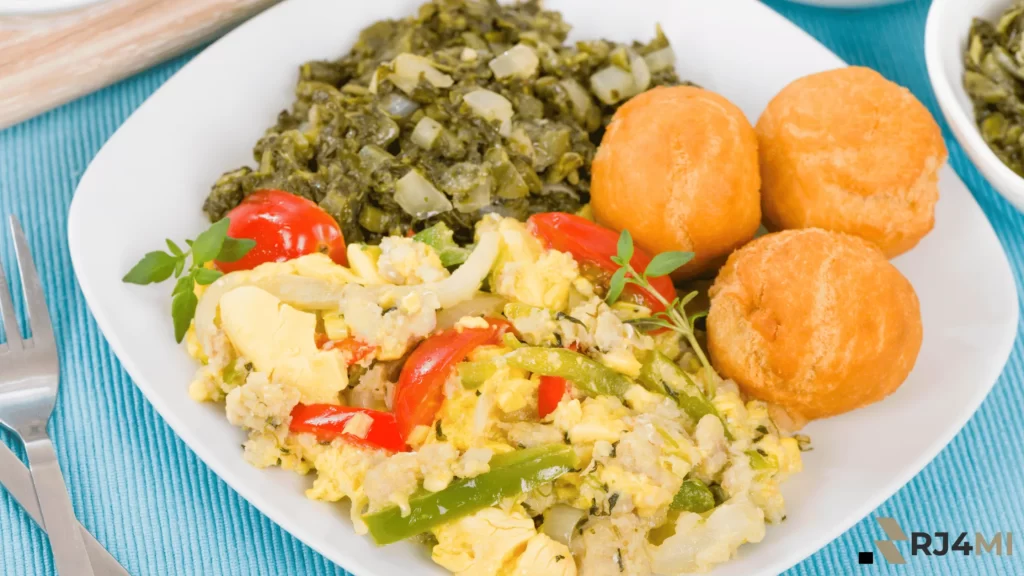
<point>10,318</point>
<point>35,302</point>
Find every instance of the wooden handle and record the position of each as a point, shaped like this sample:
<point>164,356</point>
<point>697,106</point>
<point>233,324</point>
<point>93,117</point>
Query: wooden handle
<point>46,61</point>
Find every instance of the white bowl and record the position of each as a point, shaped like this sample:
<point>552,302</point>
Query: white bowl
<point>945,38</point>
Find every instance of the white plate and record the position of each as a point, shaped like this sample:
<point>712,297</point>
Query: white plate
<point>149,181</point>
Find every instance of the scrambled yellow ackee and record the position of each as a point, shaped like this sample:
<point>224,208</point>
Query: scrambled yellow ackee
<point>645,461</point>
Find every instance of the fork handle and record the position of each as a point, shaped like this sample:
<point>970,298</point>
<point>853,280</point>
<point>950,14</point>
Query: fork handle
<point>69,552</point>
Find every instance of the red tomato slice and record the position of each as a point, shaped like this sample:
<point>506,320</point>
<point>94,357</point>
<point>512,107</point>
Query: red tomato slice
<point>550,392</point>
<point>420,390</point>
<point>356,349</point>
<point>593,244</point>
<point>284,226</point>
<point>327,422</point>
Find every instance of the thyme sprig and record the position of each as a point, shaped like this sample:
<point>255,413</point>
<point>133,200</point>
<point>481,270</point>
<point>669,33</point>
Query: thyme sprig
<point>674,317</point>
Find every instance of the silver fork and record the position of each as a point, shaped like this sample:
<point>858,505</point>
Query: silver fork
<point>29,379</point>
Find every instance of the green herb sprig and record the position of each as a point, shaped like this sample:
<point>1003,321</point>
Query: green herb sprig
<point>157,266</point>
<point>674,317</point>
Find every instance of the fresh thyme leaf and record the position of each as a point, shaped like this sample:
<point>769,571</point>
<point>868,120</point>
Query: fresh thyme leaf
<point>208,244</point>
<point>156,266</point>
<point>624,249</point>
<point>666,263</point>
<point>183,309</point>
<point>204,276</point>
<point>174,248</point>
<point>695,317</point>
<point>234,248</point>
<point>651,323</point>
<point>681,304</point>
<point>184,284</point>
<point>616,285</point>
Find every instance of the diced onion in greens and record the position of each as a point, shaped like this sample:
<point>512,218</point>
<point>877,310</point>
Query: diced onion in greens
<point>492,106</point>
<point>612,84</point>
<point>409,68</point>
<point>426,132</point>
<point>373,157</point>
<point>418,197</point>
<point>520,60</point>
<point>660,60</point>
<point>397,105</point>
<point>475,199</point>
<point>579,97</point>
<point>641,72</point>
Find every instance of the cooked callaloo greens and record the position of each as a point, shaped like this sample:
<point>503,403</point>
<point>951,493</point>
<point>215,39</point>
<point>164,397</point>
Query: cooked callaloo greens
<point>994,79</point>
<point>467,108</point>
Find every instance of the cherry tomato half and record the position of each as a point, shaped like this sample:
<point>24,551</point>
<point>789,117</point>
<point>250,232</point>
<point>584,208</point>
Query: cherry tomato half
<point>284,226</point>
<point>594,245</point>
<point>550,393</point>
<point>327,422</point>
<point>420,390</point>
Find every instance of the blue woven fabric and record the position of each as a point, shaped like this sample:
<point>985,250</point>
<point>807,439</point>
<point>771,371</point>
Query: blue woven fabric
<point>161,511</point>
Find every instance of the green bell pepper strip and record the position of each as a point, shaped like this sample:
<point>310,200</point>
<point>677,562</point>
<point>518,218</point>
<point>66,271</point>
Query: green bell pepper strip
<point>588,375</point>
<point>474,374</point>
<point>510,474</point>
<point>440,238</point>
<point>693,496</point>
<point>662,376</point>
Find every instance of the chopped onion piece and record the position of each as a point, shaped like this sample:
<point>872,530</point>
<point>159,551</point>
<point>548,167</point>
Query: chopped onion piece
<point>579,97</point>
<point>641,73</point>
<point>661,60</point>
<point>409,68</point>
<point>418,197</point>
<point>426,132</point>
<point>475,199</point>
<point>560,522</point>
<point>491,106</point>
<point>373,156</point>
<point>612,84</point>
<point>482,304</point>
<point>520,60</point>
<point>397,105</point>
<point>374,80</point>
<point>464,283</point>
<point>301,292</point>
<point>308,293</point>
<point>481,414</point>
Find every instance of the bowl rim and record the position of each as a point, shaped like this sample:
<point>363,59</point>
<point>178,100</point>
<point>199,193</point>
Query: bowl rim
<point>964,128</point>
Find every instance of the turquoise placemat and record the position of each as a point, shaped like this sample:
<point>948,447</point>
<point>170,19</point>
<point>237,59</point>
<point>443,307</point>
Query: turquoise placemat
<point>161,511</point>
